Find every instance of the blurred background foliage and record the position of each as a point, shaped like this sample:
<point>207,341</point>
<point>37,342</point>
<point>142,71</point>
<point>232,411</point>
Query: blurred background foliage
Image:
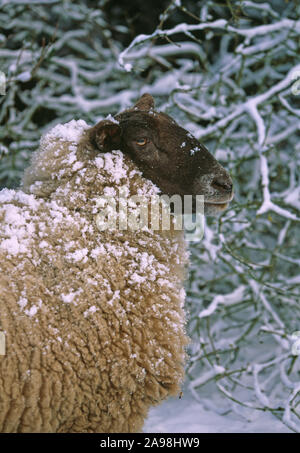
<point>227,71</point>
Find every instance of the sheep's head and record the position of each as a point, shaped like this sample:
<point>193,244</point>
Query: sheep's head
<point>167,154</point>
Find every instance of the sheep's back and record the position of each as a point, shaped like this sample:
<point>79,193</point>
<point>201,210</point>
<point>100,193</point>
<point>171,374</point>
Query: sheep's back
<point>94,320</point>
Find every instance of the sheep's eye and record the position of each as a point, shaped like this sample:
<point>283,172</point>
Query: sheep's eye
<point>141,141</point>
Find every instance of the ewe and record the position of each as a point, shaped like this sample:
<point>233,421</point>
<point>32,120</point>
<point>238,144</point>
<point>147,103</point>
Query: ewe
<point>94,320</point>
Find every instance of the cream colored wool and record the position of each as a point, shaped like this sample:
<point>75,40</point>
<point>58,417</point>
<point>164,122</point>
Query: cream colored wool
<point>94,321</point>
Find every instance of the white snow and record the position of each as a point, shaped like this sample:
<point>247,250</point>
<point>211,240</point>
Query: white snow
<point>32,311</point>
<point>194,150</point>
<point>22,302</point>
<point>112,119</point>
<point>24,76</point>
<point>78,255</point>
<point>71,131</point>
<point>186,415</point>
<point>229,299</point>
<point>90,310</point>
<point>68,298</point>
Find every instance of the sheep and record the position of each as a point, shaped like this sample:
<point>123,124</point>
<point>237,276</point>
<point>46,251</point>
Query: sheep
<point>93,319</point>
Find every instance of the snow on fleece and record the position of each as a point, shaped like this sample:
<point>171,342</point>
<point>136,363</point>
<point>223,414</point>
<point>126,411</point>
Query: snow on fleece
<point>113,297</point>
<point>27,218</point>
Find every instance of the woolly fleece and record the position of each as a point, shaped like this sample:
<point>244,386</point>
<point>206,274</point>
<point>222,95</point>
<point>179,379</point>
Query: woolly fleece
<point>94,321</point>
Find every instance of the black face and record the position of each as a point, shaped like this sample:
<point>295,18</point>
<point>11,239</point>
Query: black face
<point>167,154</point>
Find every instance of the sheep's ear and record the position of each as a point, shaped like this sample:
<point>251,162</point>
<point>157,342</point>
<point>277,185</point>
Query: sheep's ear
<point>145,103</point>
<point>106,136</point>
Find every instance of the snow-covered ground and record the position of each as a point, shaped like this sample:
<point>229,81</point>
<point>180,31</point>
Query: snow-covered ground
<point>186,415</point>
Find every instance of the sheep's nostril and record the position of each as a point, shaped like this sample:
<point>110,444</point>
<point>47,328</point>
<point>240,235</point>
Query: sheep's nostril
<point>222,183</point>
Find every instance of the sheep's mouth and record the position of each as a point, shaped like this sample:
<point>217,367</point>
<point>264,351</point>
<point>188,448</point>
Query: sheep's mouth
<point>217,206</point>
